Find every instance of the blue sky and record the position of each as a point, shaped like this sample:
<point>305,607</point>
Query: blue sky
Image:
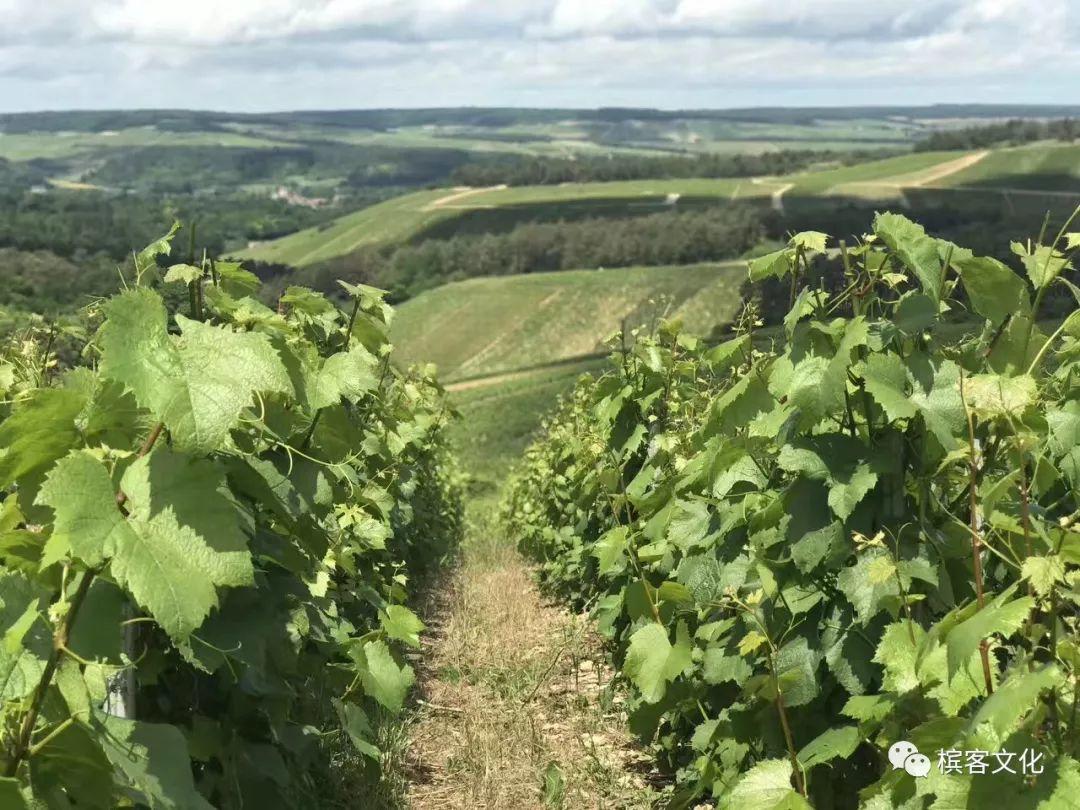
<point>309,54</point>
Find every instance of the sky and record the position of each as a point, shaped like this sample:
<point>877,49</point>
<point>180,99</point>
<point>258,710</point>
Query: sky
<point>254,55</point>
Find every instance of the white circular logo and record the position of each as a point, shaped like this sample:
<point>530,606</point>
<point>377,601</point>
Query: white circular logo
<point>918,765</point>
<point>900,751</point>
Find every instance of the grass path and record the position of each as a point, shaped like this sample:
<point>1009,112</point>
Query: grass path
<point>516,709</point>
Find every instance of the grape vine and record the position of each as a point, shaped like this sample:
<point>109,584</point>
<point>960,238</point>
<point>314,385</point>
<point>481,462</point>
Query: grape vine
<point>208,534</point>
<point>810,544</point>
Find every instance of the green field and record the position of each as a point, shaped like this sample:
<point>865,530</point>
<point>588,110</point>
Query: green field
<point>405,217</point>
<point>506,324</point>
<point>498,421</point>
<point>395,220</point>
<point>1039,167</point>
<point>53,145</point>
<point>893,172</point>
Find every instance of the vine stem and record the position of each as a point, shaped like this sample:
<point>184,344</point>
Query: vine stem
<point>61,637</point>
<point>976,536</point>
<point>789,740</point>
<point>60,640</point>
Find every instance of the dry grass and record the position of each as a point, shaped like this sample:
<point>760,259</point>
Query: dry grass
<point>516,707</point>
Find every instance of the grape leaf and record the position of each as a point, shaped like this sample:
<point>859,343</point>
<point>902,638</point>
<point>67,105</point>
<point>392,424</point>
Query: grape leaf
<point>998,616</point>
<point>382,678</point>
<point>41,430</point>
<point>402,624</point>
<point>831,744</point>
<point>197,383</point>
<point>996,292</point>
<point>766,786</point>
<point>179,543</point>
<point>652,660</point>
<point>153,759</point>
<point>25,644</point>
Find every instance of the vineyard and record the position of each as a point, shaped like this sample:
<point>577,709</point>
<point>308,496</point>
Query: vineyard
<point>808,548</point>
<point>213,524</point>
<point>830,563</point>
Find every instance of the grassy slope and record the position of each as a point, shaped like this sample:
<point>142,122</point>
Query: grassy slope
<point>61,145</point>
<point>494,325</point>
<point>404,217</point>
<point>392,221</point>
<point>499,421</point>
<point>1039,167</point>
<point>895,170</point>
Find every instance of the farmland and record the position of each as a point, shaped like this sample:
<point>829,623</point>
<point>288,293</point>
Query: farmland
<point>487,326</point>
<point>1041,167</point>
<point>622,493</point>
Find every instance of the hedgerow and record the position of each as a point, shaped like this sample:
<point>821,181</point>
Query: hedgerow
<point>208,535</point>
<point>809,544</point>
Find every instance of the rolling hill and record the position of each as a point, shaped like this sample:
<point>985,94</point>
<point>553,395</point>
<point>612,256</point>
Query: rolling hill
<point>511,326</point>
<point>409,216</point>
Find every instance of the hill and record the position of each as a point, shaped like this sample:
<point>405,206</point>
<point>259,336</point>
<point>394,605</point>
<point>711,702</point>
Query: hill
<point>407,217</point>
<point>512,326</point>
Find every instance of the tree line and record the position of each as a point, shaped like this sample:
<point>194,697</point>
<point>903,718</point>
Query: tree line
<point>1007,133</point>
<point>676,237</point>
<point>518,170</point>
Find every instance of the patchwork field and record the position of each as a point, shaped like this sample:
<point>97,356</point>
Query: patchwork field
<point>407,216</point>
<point>1030,169</point>
<point>510,324</point>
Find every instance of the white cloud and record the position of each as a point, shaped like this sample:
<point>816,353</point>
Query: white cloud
<point>303,53</point>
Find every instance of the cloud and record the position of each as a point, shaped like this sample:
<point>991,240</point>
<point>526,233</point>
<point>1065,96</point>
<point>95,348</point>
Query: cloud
<point>304,53</point>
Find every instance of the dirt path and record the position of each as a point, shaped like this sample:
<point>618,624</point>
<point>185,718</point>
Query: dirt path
<point>950,168</point>
<point>512,694</point>
<point>921,179</point>
<point>778,197</point>
<point>459,194</point>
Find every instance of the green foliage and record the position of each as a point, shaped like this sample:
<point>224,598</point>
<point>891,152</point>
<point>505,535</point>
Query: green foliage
<point>207,535</point>
<point>863,519</point>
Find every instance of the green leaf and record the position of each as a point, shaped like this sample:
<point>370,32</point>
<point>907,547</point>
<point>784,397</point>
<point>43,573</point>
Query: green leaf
<point>358,727</point>
<point>1014,698</point>
<point>402,624</point>
<point>813,390</point>
<point>180,542</point>
<point>153,759</point>
<point>918,252</point>
<point>1043,264</point>
<point>553,787</point>
<point>198,383</point>
<point>999,616</point>
<point>235,280</point>
<point>766,786</point>
<point>898,653</point>
<point>1043,573</point>
<point>836,743</point>
<point>835,461</point>
<point>867,597</point>
<point>25,644</point>
<point>183,274</point>
<point>810,240</point>
<point>11,797</point>
<point>995,291</point>
<point>885,377</point>
<point>991,395</point>
<point>771,265</point>
<point>610,550</point>
<point>796,672</point>
<point>41,430</point>
<point>720,668</point>
<point>652,661</point>
<point>348,374</point>
<point>383,679</point>
<point>869,708</point>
